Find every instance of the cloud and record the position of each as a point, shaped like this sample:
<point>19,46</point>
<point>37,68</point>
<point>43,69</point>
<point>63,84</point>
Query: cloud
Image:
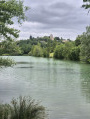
<point>61,18</point>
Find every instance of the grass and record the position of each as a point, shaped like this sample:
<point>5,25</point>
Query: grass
<point>22,108</point>
<point>6,62</point>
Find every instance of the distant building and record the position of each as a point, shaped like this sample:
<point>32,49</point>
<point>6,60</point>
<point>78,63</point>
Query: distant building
<point>51,37</point>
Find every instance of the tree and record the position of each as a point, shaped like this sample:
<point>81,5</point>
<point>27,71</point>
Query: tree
<point>78,40</point>
<point>8,10</point>
<point>10,48</point>
<point>74,54</point>
<point>36,51</point>
<point>67,48</point>
<point>87,4</point>
<point>59,50</point>
<point>31,37</point>
<point>85,46</point>
<point>48,47</point>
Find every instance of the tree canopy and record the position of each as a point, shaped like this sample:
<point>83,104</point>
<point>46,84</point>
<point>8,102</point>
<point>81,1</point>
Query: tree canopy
<point>85,46</point>
<point>8,10</point>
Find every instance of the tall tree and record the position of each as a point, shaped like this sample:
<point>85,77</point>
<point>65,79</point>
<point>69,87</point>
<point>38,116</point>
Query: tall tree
<point>10,48</point>
<point>8,10</point>
<point>85,46</point>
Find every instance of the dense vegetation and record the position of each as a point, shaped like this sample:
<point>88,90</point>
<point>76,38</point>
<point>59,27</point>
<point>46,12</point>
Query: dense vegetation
<point>22,108</point>
<point>43,47</point>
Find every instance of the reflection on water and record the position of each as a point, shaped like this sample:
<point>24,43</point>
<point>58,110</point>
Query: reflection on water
<point>62,86</point>
<point>85,81</point>
<point>24,67</point>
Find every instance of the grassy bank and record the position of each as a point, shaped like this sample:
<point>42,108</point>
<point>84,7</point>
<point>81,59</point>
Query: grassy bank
<point>22,108</point>
<point>6,62</point>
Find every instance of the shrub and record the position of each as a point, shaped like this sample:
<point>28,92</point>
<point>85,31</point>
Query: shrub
<point>36,51</point>
<point>22,108</point>
<point>67,48</point>
<point>75,54</point>
<point>6,62</point>
<point>45,52</point>
<point>58,53</point>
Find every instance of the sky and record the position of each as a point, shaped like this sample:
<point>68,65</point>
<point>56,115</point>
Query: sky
<point>62,18</point>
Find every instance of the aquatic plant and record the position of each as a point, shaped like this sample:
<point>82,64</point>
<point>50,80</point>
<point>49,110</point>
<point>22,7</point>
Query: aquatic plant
<point>22,108</point>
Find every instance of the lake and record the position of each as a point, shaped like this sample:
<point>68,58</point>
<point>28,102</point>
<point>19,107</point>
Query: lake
<point>63,87</point>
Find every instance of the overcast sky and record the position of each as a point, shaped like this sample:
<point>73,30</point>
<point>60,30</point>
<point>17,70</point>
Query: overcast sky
<point>62,18</point>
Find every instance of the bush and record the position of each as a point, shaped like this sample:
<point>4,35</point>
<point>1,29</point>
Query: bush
<point>22,108</point>
<point>58,53</point>
<point>67,48</point>
<point>36,51</point>
<point>6,62</point>
<point>75,54</point>
<point>10,48</point>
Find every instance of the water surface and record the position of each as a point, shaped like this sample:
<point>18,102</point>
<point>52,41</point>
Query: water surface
<point>62,86</point>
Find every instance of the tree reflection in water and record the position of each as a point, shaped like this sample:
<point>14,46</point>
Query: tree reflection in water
<point>85,81</point>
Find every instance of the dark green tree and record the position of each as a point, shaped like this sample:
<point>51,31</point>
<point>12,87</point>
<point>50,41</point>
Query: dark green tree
<point>85,46</point>
<point>36,51</point>
<point>10,48</point>
<point>48,47</point>
<point>59,52</point>
<point>75,54</point>
<point>67,48</point>
<point>78,40</point>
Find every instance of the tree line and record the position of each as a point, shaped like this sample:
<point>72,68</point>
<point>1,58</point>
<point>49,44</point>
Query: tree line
<point>78,50</point>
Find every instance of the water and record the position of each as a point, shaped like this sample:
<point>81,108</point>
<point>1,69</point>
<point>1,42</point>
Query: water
<point>62,86</point>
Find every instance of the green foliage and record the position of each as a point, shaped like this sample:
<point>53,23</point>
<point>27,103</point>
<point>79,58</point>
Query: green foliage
<point>26,45</point>
<point>85,46</point>
<point>45,53</point>
<point>22,108</point>
<point>67,48</point>
<point>6,62</point>
<point>36,51</point>
<point>48,47</point>
<point>75,54</point>
<point>67,51</point>
<point>53,45</point>
<point>78,40</point>
<point>8,10</point>
<point>87,4</point>
<point>46,44</point>
<point>9,48</point>
<point>26,48</point>
<point>59,52</point>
